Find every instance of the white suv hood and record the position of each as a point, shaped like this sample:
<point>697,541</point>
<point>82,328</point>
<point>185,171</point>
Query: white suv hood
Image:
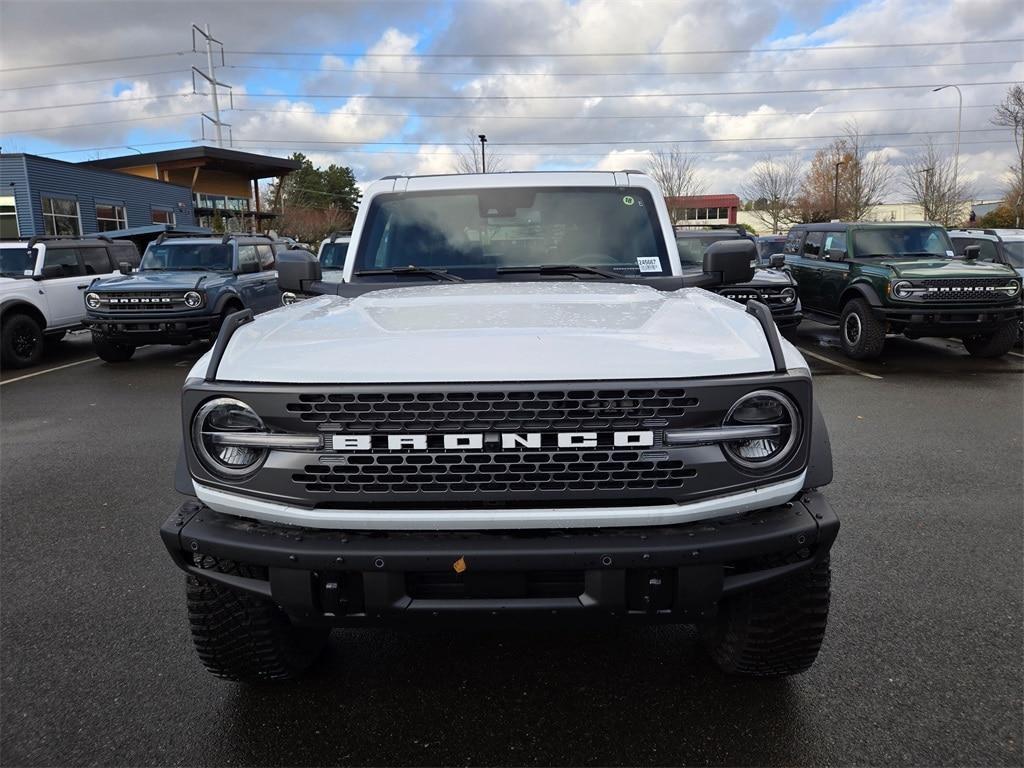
<point>477,332</point>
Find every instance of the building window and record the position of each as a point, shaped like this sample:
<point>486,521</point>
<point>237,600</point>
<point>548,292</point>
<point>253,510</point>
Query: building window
<point>8,219</point>
<point>60,216</point>
<point>163,216</point>
<point>222,202</point>
<point>110,216</point>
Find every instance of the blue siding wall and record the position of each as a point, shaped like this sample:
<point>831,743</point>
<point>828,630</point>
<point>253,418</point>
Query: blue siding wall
<point>14,182</point>
<point>41,177</point>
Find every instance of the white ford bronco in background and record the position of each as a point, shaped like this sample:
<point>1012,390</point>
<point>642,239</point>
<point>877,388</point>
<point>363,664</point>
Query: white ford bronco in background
<point>514,406</point>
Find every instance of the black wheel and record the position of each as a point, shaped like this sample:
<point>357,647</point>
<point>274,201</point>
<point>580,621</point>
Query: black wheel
<point>774,630</point>
<point>862,335</point>
<point>21,341</point>
<point>242,637</point>
<point>994,344</point>
<point>112,351</point>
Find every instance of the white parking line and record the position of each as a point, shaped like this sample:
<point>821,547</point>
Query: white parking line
<point>837,364</point>
<point>48,370</point>
<point>1015,354</point>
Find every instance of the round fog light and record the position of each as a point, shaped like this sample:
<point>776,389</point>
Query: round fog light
<point>193,299</point>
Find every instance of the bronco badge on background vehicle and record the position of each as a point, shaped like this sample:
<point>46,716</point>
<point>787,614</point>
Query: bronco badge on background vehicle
<point>562,441</point>
<point>873,279</point>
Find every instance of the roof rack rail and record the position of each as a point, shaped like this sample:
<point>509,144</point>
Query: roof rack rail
<point>45,238</point>
<point>763,314</point>
<point>165,235</point>
<point>231,324</point>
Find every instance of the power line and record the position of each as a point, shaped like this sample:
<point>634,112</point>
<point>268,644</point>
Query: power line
<point>44,129</point>
<point>97,61</point>
<point>360,70</point>
<point>560,97</point>
<point>95,103</point>
<point>804,113</point>
<point>491,55</point>
<point>94,80</point>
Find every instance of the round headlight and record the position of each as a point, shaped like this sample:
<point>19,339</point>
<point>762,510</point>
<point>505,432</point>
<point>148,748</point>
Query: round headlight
<point>1012,288</point>
<point>902,289</point>
<point>214,425</point>
<point>779,423</point>
<point>193,299</point>
<point>92,300</point>
<point>787,295</point>
<point>288,298</point>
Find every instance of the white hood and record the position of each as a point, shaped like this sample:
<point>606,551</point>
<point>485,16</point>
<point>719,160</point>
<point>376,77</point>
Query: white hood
<point>477,332</point>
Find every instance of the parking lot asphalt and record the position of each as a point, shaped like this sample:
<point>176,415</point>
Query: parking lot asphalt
<point>923,661</point>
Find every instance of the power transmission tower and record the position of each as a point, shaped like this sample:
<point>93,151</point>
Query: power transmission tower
<point>211,78</point>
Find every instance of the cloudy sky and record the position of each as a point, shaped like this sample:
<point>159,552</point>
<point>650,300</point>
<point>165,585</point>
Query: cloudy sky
<point>395,87</point>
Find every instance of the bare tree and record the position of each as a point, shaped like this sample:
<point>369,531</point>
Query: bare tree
<point>470,157</point>
<point>676,172</point>
<point>929,180</point>
<point>772,188</point>
<point>1010,114</point>
<point>865,178</point>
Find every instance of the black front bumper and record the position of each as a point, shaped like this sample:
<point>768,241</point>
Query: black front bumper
<point>178,328</point>
<point>947,321</point>
<point>660,574</point>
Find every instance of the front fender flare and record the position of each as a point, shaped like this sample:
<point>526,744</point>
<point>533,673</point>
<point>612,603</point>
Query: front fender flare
<point>860,291</point>
<point>819,463</point>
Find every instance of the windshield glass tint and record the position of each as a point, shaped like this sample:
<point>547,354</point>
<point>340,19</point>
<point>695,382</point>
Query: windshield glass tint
<point>333,255</point>
<point>691,249</point>
<point>902,241</point>
<point>1014,252</point>
<point>473,233</point>
<point>212,256</point>
<point>769,247</point>
<point>15,262</point>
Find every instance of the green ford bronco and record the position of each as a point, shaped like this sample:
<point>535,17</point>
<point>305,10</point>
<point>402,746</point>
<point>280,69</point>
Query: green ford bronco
<point>872,279</point>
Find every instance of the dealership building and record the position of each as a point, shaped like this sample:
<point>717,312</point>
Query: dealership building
<point>180,187</point>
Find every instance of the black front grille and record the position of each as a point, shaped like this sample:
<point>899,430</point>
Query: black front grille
<point>141,301</point>
<point>967,289</point>
<point>507,472</point>
<point>508,410</point>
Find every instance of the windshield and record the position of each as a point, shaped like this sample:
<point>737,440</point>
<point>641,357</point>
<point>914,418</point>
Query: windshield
<point>769,247</point>
<point>17,262</point>
<point>332,256</point>
<point>930,242</point>
<point>473,233</point>
<point>1014,253</point>
<point>188,256</point>
<point>691,249</point>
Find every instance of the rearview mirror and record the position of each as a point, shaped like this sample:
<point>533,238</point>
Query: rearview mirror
<point>777,261</point>
<point>124,268</point>
<point>972,252</point>
<point>728,261</point>
<point>296,270</point>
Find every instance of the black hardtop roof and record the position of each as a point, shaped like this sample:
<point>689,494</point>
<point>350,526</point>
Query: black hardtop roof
<point>830,226</point>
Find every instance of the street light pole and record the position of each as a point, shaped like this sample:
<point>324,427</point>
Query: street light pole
<point>956,150</point>
<point>483,152</point>
<point>835,191</point>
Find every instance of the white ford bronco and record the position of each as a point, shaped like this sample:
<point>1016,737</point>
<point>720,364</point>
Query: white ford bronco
<point>514,406</point>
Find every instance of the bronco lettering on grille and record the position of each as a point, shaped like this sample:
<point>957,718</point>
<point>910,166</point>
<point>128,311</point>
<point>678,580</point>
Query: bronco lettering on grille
<point>478,441</point>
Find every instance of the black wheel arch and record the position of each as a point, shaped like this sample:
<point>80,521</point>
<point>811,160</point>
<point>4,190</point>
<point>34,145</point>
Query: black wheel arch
<point>819,464</point>
<point>859,291</point>
<point>24,307</point>
<point>229,297</point>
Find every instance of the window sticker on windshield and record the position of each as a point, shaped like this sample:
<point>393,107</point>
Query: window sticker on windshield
<point>648,263</point>
<point>949,254</point>
<point>628,200</point>
<point>828,242</point>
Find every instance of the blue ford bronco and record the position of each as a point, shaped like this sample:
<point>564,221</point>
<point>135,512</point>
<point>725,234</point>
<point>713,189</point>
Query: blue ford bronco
<point>182,291</point>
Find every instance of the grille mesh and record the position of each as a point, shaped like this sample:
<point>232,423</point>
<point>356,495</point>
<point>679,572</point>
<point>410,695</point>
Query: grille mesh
<point>964,289</point>
<point>530,471</point>
<point>135,301</point>
<point>509,410</point>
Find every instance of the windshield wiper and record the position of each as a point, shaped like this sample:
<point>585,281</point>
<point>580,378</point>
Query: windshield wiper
<point>556,269</point>
<point>411,269</point>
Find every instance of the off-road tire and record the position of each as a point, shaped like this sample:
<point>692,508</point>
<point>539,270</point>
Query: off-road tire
<point>21,341</point>
<point>861,334</point>
<point>112,351</point>
<point>242,637</point>
<point>774,630</point>
<point>995,344</point>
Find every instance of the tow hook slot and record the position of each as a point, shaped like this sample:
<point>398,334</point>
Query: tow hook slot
<point>650,589</point>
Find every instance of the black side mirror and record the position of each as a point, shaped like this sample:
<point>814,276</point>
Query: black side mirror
<point>972,252</point>
<point>728,261</point>
<point>51,272</point>
<point>296,270</point>
<point>124,268</point>
<point>777,261</point>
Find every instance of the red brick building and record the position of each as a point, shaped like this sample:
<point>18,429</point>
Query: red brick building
<point>703,209</point>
